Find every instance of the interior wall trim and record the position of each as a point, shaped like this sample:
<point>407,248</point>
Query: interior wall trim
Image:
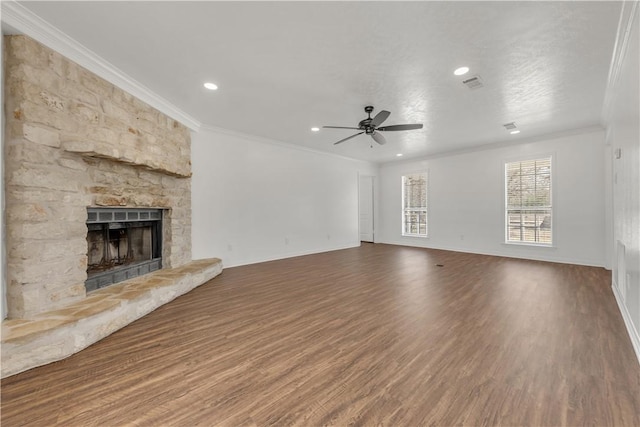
<point>24,21</point>
<point>626,316</point>
<point>536,254</point>
<point>263,140</point>
<point>293,254</point>
<point>628,13</point>
<point>502,144</point>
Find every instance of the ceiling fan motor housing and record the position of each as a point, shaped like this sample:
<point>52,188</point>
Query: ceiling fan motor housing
<point>366,123</point>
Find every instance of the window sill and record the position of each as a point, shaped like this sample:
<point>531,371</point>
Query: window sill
<point>420,236</point>
<point>530,245</point>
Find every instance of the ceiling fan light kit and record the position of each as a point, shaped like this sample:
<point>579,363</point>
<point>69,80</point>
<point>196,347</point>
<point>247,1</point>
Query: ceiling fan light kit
<point>371,126</point>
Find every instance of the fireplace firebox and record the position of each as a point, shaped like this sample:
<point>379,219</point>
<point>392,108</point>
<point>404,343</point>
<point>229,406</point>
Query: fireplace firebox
<point>122,243</point>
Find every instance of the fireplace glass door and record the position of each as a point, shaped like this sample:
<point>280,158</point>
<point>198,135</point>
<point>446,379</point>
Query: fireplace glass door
<point>122,244</point>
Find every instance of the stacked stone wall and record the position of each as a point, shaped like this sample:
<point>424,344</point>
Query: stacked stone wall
<point>74,140</point>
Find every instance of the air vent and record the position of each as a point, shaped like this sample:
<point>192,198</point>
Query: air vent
<point>511,128</point>
<point>473,82</point>
<point>101,215</point>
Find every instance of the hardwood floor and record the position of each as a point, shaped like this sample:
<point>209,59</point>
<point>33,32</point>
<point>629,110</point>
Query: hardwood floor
<point>377,335</point>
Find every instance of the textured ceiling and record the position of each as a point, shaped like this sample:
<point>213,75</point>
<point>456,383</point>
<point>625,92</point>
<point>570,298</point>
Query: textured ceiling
<point>283,67</point>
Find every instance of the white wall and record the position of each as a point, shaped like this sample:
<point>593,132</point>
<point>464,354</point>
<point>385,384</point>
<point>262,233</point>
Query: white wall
<point>255,200</point>
<point>624,134</point>
<point>466,200</point>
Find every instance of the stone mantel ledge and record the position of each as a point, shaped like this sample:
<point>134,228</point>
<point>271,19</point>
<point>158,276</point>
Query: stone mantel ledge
<point>57,334</point>
<point>136,159</point>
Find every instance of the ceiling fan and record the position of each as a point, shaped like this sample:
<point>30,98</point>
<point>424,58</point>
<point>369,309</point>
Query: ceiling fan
<point>371,126</point>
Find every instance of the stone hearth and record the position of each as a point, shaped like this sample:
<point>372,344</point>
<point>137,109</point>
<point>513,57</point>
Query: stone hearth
<point>75,141</point>
<point>54,335</point>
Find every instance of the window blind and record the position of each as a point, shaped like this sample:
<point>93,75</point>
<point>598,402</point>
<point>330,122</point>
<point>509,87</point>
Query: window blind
<point>414,204</point>
<point>528,201</point>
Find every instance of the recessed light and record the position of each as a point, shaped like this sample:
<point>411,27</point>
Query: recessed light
<point>211,86</point>
<point>399,155</point>
<point>460,71</point>
<point>315,129</point>
<point>513,132</point>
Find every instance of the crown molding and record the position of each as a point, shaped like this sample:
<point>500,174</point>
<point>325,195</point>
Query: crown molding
<point>28,23</point>
<point>502,144</point>
<point>628,13</point>
<point>261,139</point>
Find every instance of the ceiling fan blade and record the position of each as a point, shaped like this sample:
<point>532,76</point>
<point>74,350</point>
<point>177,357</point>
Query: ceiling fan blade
<point>338,127</point>
<point>347,138</point>
<point>401,127</point>
<point>379,118</point>
<point>379,138</point>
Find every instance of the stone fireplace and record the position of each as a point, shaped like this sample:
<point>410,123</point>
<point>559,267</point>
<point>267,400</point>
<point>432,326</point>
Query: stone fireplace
<point>78,151</point>
<point>75,141</point>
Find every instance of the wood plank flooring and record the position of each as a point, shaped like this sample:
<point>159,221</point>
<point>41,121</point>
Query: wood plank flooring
<point>377,335</point>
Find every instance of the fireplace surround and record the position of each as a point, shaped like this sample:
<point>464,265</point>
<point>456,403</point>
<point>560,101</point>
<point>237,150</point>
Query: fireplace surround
<point>73,141</point>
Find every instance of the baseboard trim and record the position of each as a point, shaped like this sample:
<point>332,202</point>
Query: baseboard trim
<point>521,255</point>
<point>291,255</point>
<point>626,316</point>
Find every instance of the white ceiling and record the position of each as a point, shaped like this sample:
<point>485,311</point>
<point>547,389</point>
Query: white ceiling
<point>283,67</point>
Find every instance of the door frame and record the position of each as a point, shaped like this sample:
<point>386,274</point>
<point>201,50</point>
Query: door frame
<point>373,206</point>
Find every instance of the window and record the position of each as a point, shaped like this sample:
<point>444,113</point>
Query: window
<point>414,205</point>
<point>528,201</point>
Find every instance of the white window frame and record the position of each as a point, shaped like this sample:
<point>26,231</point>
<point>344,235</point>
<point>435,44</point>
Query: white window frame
<point>402,210</point>
<point>541,156</point>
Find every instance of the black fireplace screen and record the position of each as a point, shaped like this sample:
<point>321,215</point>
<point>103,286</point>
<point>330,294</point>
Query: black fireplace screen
<point>122,244</point>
